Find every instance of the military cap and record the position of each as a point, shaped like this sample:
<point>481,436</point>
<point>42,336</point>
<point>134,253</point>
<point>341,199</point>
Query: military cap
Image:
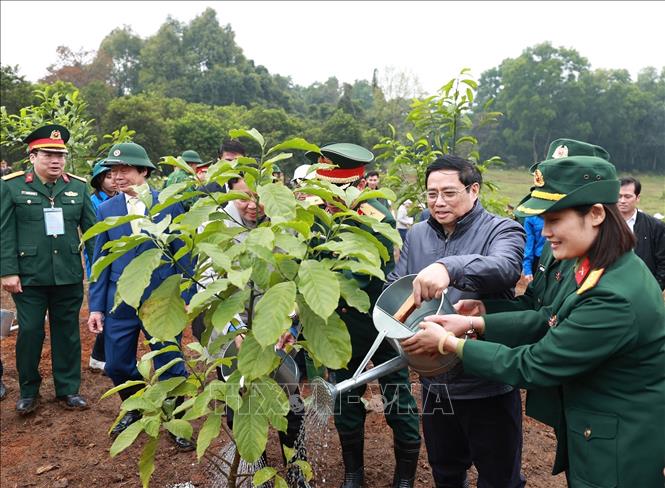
<point>563,148</point>
<point>190,156</point>
<point>567,182</point>
<point>349,158</point>
<point>130,154</point>
<point>49,138</point>
<point>276,169</point>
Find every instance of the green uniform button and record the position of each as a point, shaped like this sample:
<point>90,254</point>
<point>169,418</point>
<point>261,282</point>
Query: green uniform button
<point>73,201</point>
<point>587,433</point>
<point>55,252</point>
<point>22,253</point>
<point>29,202</point>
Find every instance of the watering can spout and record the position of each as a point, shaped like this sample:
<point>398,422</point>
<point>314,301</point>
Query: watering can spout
<point>325,393</point>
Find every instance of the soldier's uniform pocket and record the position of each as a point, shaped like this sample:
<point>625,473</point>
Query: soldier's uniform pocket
<point>71,207</point>
<point>29,207</point>
<point>27,251</point>
<point>592,448</point>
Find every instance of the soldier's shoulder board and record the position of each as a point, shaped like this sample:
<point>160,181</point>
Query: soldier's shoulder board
<point>371,211</point>
<point>13,175</point>
<point>591,280</point>
<point>80,178</point>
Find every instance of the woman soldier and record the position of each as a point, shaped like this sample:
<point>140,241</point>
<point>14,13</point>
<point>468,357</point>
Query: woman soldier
<point>601,342</point>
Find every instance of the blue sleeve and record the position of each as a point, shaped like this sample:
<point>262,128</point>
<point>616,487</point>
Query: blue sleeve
<point>184,262</point>
<point>529,247</point>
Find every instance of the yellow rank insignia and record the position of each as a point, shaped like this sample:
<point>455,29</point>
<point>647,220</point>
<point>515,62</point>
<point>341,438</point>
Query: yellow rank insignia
<point>591,280</point>
<point>538,178</point>
<point>71,194</point>
<point>367,209</point>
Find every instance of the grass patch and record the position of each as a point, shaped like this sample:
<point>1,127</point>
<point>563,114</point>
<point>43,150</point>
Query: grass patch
<point>514,184</point>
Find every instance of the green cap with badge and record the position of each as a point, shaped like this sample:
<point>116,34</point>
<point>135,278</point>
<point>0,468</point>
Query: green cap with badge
<point>130,154</point>
<point>48,138</point>
<point>349,158</point>
<point>570,182</point>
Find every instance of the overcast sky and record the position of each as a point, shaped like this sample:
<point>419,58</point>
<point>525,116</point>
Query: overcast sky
<point>311,41</point>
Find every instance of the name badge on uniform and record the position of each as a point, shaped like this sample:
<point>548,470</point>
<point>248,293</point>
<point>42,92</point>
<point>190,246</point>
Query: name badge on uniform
<point>55,223</point>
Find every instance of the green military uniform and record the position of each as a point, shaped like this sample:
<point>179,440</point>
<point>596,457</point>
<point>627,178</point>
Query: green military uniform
<point>401,411</point>
<point>48,266</point>
<point>553,278</point>
<point>600,341</point>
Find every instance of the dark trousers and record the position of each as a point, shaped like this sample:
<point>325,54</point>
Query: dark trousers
<point>98,349</point>
<point>121,337</point>
<point>63,303</point>
<point>486,432</point>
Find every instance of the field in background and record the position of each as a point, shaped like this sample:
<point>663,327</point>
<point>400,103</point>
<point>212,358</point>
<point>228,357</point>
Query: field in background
<point>515,183</point>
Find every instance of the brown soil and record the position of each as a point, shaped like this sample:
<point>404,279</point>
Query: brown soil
<point>60,448</point>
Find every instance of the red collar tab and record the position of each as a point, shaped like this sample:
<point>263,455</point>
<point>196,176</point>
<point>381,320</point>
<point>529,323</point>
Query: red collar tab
<point>65,177</point>
<point>582,271</point>
<point>29,177</point>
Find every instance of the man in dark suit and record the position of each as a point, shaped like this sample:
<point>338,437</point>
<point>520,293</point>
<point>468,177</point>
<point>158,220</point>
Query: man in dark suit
<point>649,231</point>
<point>121,326</point>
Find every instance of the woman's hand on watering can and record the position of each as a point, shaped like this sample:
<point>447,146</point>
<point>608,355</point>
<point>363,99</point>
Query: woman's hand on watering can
<point>470,307</point>
<point>459,325</point>
<point>426,340</point>
<point>430,283</point>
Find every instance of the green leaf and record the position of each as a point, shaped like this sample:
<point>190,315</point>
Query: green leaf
<point>145,194</point>
<point>372,241</point>
<point>163,313</point>
<point>319,287</point>
<point>139,403</point>
<point>136,276</point>
<point>293,246</point>
<point>295,143</point>
<point>352,294</point>
<point>147,461</point>
<point>289,452</point>
<point>228,309</point>
<point>172,190</point>
<point>126,384</point>
<point>203,298</point>
<point>360,268</point>
<point>386,193</point>
<point>161,370</point>
<point>328,341</point>
<point>278,201</point>
<point>298,225</point>
<point>218,256</point>
<point>280,482</point>
<point>151,425</point>
<point>239,278</point>
<point>209,431</point>
<point>271,316</point>
<point>272,402</point>
<point>263,475</point>
<point>179,428</point>
<point>199,407</point>
<point>253,134</point>
<point>158,392</point>
<point>157,228</point>
<point>108,223</point>
<point>306,468</point>
<point>261,236</point>
<point>126,438</point>
<point>276,159</point>
<point>254,360</point>
<point>250,431</point>
<point>144,368</point>
<point>178,163</point>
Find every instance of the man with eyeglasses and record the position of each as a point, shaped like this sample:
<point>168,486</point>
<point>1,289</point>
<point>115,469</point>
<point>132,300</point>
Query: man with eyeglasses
<point>473,254</point>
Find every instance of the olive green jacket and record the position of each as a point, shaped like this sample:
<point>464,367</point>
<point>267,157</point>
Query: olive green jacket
<point>25,249</point>
<point>604,346</point>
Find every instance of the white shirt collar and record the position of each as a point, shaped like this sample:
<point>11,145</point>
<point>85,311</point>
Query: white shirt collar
<point>631,221</point>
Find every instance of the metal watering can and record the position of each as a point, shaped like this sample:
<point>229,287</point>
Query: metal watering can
<point>393,331</point>
<point>7,322</point>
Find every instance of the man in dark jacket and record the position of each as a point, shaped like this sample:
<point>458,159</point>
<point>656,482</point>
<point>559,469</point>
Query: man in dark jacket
<point>462,247</point>
<point>649,231</point>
